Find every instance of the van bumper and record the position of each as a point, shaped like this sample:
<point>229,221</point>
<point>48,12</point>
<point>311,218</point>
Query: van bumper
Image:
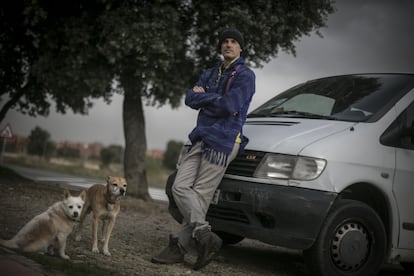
<point>280,215</point>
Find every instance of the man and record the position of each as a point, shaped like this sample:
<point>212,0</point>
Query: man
<point>222,95</point>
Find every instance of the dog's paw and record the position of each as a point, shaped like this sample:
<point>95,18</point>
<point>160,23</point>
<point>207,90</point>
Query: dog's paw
<point>64,256</point>
<point>107,253</point>
<point>95,250</point>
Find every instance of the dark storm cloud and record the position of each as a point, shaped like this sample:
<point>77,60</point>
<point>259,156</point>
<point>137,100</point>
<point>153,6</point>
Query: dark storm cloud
<point>379,32</point>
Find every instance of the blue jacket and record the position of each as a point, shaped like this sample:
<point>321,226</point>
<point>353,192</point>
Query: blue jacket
<point>222,112</point>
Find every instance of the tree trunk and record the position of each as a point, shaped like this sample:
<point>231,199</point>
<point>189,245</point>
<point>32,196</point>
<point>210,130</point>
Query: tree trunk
<point>135,139</point>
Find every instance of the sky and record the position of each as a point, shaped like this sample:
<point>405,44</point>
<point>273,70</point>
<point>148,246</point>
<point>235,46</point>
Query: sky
<point>361,36</point>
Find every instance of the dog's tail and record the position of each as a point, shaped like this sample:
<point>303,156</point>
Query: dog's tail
<point>9,243</point>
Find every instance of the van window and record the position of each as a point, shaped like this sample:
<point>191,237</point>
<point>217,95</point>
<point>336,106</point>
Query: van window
<point>357,98</point>
<point>408,139</point>
<point>400,133</point>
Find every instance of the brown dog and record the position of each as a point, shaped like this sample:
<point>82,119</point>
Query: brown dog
<point>49,230</point>
<point>105,203</point>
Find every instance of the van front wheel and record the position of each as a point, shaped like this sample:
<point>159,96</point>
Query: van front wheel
<point>352,242</point>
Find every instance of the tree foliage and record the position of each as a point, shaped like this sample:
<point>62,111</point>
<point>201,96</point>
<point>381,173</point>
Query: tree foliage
<point>172,153</point>
<point>48,55</point>
<point>111,154</point>
<point>39,143</point>
<point>69,52</point>
<point>267,26</point>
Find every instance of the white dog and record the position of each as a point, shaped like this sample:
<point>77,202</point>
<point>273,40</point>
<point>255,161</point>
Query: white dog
<point>50,229</point>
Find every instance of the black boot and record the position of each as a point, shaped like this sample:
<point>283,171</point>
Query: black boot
<point>171,254</point>
<point>207,244</point>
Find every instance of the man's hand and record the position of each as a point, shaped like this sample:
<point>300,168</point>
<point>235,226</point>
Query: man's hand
<point>198,89</point>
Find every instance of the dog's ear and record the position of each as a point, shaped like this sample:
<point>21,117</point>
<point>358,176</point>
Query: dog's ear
<point>108,179</point>
<point>83,195</point>
<point>66,194</point>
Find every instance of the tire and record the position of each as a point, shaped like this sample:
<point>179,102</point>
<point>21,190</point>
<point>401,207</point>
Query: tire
<point>409,267</point>
<point>352,242</point>
<point>228,238</point>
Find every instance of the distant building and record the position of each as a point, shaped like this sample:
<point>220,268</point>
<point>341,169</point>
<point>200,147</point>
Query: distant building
<point>16,144</point>
<point>85,150</point>
<point>156,153</point>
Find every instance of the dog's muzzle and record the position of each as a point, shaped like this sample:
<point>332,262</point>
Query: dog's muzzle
<point>75,217</point>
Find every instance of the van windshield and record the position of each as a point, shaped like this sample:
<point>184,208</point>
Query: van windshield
<point>357,98</point>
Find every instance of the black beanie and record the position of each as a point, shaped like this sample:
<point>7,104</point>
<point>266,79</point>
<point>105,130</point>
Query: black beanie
<point>230,33</point>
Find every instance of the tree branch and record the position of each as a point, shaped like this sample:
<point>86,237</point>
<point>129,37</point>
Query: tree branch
<point>9,104</point>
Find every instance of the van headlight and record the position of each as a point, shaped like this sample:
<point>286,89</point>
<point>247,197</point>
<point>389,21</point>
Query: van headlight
<point>280,166</point>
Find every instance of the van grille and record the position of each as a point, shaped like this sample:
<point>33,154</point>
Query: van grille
<point>246,163</point>
<point>228,214</point>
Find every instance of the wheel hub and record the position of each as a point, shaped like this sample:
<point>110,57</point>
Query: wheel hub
<point>350,247</point>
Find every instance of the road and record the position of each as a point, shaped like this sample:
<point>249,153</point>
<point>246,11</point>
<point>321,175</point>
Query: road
<point>70,181</point>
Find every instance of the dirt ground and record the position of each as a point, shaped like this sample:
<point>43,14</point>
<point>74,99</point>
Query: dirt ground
<point>141,231</point>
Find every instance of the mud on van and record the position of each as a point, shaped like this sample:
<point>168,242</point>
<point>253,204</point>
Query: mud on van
<point>329,169</point>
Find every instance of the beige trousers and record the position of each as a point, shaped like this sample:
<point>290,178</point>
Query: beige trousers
<point>193,189</point>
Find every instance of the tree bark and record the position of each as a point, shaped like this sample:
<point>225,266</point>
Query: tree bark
<point>135,140</point>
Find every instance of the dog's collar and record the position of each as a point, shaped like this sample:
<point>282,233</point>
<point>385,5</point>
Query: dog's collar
<point>109,199</point>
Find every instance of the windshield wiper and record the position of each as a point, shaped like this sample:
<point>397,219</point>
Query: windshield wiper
<point>301,114</point>
<point>257,115</point>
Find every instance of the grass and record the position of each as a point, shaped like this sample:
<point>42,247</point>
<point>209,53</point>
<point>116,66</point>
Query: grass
<point>156,174</point>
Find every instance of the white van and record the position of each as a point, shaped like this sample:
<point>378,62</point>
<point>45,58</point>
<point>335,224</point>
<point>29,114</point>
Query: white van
<point>329,169</point>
